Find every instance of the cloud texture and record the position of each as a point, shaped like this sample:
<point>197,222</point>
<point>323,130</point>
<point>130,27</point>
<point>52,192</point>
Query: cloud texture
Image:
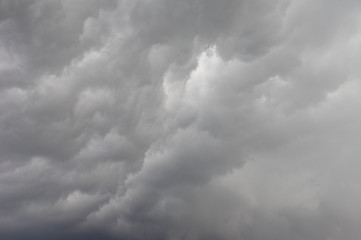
<point>167,119</point>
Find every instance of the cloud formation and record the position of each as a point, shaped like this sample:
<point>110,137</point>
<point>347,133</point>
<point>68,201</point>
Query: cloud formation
<point>165,119</point>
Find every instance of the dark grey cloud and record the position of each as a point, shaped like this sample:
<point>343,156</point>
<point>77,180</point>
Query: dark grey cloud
<point>195,119</point>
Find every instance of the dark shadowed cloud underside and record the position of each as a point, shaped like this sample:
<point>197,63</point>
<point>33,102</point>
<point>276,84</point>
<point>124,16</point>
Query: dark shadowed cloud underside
<point>180,119</point>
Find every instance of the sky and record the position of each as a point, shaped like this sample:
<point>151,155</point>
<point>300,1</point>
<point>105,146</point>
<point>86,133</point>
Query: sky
<point>170,120</point>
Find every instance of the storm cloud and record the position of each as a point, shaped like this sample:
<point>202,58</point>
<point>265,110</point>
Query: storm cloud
<point>167,119</point>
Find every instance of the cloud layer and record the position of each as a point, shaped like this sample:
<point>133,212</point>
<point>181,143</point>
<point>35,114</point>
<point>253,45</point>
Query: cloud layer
<point>166,119</point>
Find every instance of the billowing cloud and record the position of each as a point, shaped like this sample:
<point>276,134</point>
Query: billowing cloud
<point>165,119</point>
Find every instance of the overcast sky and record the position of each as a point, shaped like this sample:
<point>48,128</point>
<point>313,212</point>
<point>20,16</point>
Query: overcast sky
<point>180,119</point>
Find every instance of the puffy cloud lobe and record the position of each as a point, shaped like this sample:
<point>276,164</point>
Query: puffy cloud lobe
<point>179,119</point>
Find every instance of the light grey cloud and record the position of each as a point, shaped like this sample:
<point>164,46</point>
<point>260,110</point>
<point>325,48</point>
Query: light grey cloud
<point>196,119</point>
